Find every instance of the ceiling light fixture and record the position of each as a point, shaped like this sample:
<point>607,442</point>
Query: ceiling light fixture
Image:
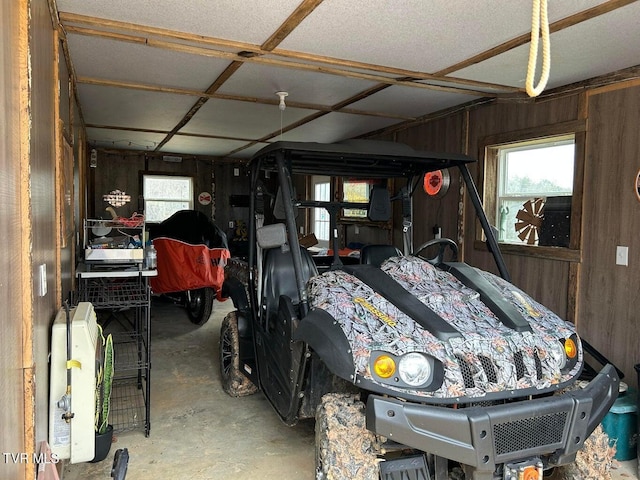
<point>282,96</point>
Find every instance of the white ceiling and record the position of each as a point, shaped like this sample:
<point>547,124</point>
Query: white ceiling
<point>350,67</point>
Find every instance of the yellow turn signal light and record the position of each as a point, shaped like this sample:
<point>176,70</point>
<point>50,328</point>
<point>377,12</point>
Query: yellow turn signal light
<point>570,348</point>
<point>384,366</point>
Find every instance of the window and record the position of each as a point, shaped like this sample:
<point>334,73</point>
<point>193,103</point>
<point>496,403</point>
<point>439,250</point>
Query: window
<point>164,195</point>
<point>321,193</point>
<point>535,178</point>
<point>356,191</point>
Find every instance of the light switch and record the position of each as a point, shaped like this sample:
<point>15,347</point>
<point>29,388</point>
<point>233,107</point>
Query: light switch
<point>42,271</point>
<point>622,255</point>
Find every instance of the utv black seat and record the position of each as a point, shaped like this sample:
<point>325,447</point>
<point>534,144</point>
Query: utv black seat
<point>280,278</point>
<point>278,271</point>
<point>376,254</point>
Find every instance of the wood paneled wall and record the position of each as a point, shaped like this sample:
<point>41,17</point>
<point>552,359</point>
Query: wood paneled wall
<point>608,316</point>
<point>13,118</point>
<point>121,171</point>
<point>27,208</point>
<point>44,236</point>
<point>445,135</point>
<point>603,292</point>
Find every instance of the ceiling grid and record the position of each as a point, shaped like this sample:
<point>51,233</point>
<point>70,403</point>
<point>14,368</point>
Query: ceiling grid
<point>196,78</point>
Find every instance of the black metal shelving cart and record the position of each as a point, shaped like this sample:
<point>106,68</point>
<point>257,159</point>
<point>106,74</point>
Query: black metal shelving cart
<point>122,298</point>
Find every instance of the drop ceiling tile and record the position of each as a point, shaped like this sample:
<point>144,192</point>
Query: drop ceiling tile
<point>122,139</point>
<point>583,51</point>
<point>115,60</point>
<point>410,101</point>
<point>201,146</point>
<point>246,120</point>
<point>414,34</point>
<point>122,107</point>
<point>302,86</point>
<point>336,126</point>
<point>250,151</point>
<point>251,22</point>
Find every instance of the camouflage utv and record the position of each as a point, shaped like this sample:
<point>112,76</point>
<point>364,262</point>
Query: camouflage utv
<point>414,365</point>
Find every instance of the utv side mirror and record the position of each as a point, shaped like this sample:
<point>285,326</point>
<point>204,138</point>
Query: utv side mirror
<point>379,205</point>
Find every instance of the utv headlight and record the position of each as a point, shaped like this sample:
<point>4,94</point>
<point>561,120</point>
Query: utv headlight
<point>559,355</point>
<point>414,369</point>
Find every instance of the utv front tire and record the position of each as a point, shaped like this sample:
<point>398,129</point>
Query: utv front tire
<point>199,304</point>
<point>234,382</point>
<point>345,449</point>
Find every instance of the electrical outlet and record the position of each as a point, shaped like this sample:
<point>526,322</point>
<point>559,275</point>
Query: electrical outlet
<point>231,224</point>
<point>622,255</point>
<point>236,172</point>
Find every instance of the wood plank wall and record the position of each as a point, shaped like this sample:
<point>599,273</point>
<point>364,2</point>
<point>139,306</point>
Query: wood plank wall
<point>27,207</point>
<point>604,292</point>
<point>13,45</point>
<point>43,214</point>
<point>442,135</point>
<point>121,171</point>
<point>608,316</point>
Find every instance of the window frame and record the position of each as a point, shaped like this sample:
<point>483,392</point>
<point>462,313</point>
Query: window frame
<point>317,180</point>
<point>144,174</point>
<point>488,153</point>
<point>527,146</point>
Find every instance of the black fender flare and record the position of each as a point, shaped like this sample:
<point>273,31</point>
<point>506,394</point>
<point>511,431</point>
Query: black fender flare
<point>234,289</point>
<point>325,336</point>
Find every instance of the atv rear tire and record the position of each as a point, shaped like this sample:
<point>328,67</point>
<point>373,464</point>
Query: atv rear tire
<point>199,304</point>
<point>234,382</point>
<point>345,449</point>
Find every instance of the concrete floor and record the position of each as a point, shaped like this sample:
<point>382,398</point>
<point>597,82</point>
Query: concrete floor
<point>198,432</point>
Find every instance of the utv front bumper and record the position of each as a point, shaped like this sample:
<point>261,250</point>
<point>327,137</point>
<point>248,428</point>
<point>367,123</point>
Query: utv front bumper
<point>553,428</point>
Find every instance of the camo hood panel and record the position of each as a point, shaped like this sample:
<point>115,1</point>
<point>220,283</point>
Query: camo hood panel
<point>486,357</point>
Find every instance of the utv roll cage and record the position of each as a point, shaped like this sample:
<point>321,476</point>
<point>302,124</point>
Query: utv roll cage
<point>354,158</point>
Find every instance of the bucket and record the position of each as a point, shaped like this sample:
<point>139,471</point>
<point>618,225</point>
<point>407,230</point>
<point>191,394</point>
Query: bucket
<point>621,425</point>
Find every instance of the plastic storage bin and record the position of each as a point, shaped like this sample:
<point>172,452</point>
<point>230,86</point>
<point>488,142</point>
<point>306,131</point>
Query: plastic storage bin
<point>621,424</point>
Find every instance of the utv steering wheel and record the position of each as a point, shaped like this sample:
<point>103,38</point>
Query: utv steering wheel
<point>443,244</point>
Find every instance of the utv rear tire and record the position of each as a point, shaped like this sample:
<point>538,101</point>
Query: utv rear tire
<point>345,449</point>
<point>234,382</point>
<point>199,304</point>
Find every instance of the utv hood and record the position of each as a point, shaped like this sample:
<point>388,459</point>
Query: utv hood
<point>490,342</point>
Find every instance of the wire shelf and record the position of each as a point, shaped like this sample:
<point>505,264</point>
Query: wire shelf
<point>115,294</point>
<point>129,352</point>
<point>127,406</point>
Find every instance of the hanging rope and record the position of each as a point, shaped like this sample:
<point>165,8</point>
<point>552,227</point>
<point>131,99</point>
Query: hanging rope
<point>539,23</point>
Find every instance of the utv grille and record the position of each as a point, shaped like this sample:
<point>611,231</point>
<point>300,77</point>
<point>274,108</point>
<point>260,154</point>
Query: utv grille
<point>468,369</point>
<point>489,368</point>
<point>529,433</point>
<point>521,370</point>
<point>536,358</point>
<point>467,373</point>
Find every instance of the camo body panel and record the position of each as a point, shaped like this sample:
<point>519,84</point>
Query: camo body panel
<point>370,323</point>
